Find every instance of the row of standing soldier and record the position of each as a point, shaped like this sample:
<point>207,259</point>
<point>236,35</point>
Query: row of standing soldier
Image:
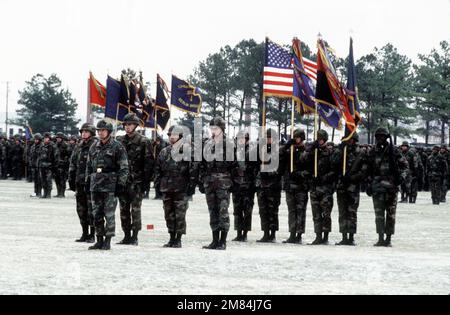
<point>106,169</point>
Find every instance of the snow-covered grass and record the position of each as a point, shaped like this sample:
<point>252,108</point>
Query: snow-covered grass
<point>38,254</point>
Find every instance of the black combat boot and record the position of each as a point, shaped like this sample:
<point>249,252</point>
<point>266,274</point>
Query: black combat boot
<point>387,242</point>
<point>126,240</point>
<point>223,241</point>
<point>265,238</point>
<point>238,237</point>
<point>351,240</point>
<point>107,243</point>
<point>380,240</point>
<point>273,236</point>
<point>325,238</point>
<point>344,241</point>
<point>292,239</point>
<point>298,239</point>
<point>84,237</point>
<point>91,237</point>
<point>318,240</point>
<point>134,239</point>
<point>171,241</point>
<point>98,245</point>
<point>215,241</point>
<point>177,242</point>
<point>244,236</point>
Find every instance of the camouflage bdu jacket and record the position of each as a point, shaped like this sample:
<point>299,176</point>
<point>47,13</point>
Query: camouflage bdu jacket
<point>78,162</point>
<point>294,180</point>
<point>245,173</point>
<point>140,159</point>
<point>413,162</point>
<point>48,155</point>
<point>356,168</point>
<point>63,157</point>
<point>387,169</point>
<point>34,154</point>
<point>175,176</point>
<point>107,167</point>
<point>268,179</point>
<point>437,166</point>
<point>326,174</point>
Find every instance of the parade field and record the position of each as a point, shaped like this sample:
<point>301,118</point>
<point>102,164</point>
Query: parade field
<point>38,254</point>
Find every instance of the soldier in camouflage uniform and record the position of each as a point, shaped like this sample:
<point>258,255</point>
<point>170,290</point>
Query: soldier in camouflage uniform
<point>177,180</point>
<point>16,154</point>
<point>141,164</point>
<point>437,170</point>
<point>445,153</point>
<point>322,187</point>
<point>348,186</point>
<point>62,165</point>
<point>157,146</point>
<point>295,185</point>
<point>387,170</point>
<point>4,146</point>
<point>244,187</point>
<point>107,175</point>
<point>34,155</point>
<point>77,182</point>
<point>216,176</point>
<point>47,163</point>
<point>269,186</point>
<point>409,187</point>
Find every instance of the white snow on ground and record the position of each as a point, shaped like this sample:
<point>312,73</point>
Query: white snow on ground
<point>38,254</point>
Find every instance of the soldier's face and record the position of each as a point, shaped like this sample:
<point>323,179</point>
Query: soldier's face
<point>46,140</point>
<point>59,140</point>
<point>103,134</point>
<point>321,142</point>
<point>404,148</point>
<point>298,141</point>
<point>381,139</point>
<point>216,132</point>
<point>174,137</point>
<point>37,141</point>
<point>130,128</point>
<point>85,135</point>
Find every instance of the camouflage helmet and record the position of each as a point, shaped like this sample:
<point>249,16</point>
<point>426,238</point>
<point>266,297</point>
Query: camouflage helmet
<point>17,137</point>
<point>88,127</point>
<point>218,122</point>
<point>104,125</point>
<point>436,147</point>
<point>405,144</point>
<point>131,118</point>
<point>38,136</point>
<point>382,132</point>
<point>48,135</point>
<point>322,135</point>
<point>444,147</point>
<point>299,133</point>
<point>177,130</point>
<point>73,138</point>
<point>60,135</point>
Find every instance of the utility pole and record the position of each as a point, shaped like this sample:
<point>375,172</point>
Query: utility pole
<point>7,101</point>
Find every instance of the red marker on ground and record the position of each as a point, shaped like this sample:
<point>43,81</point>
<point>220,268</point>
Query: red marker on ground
<point>150,227</point>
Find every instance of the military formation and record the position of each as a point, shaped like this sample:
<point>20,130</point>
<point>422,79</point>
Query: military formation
<point>105,171</point>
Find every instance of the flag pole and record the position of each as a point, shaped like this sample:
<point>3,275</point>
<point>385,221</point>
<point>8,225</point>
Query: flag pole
<point>292,133</point>
<point>344,168</point>
<point>117,121</point>
<point>316,151</point>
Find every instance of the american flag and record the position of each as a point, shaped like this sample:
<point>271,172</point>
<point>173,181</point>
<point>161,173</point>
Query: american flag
<point>279,71</point>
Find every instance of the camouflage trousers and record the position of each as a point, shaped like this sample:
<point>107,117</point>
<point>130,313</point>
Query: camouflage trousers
<point>37,181</point>
<point>243,202</point>
<point>385,206</point>
<point>218,201</point>
<point>60,180</point>
<point>130,208</point>
<point>17,170</point>
<point>436,184</point>
<point>3,169</point>
<point>348,204</point>
<point>322,206</point>
<point>84,207</point>
<point>175,208</point>
<point>46,179</point>
<point>414,188</point>
<point>297,201</point>
<point>269,203</point>
<point>104,206</point>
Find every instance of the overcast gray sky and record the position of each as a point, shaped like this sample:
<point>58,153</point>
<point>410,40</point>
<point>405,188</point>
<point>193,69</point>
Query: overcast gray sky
<point>71,37</point>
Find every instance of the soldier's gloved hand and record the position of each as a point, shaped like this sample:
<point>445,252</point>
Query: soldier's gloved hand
<point>315,145</point>
<point>291,142</point>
